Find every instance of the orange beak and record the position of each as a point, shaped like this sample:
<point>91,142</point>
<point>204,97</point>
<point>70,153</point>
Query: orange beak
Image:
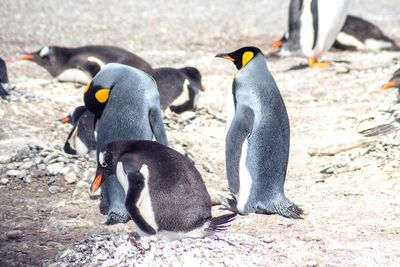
<point>26,57</point>
<point>65,120</point>
<point>388,85</point>
<point>226,57</point>
<point>277,44</point>
<point>96,182</point>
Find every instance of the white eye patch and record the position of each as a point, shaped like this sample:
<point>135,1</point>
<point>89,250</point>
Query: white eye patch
<point>44,52</point>
<point>101,160</point>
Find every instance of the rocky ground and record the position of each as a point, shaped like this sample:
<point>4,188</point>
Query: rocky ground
<point>347,184</point>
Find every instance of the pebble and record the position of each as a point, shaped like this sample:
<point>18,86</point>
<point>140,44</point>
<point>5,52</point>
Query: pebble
<point>65,170</point>
<point>14,234</point>
<point>4,181</point>
<point>55,168</point>
<point>26,165</point>
<point>28,179</point>
<point>70,178</point>
<point>188,115</point>
<point>4,159</point>
<point>208,168</point>
<point>50,157</point>
<point>54,189</point>
<point>15,173</point>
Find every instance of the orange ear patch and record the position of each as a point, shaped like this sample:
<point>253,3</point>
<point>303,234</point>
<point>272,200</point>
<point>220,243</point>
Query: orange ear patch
<point>102,95</point>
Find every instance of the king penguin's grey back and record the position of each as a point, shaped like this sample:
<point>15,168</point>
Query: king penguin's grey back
<point>125,116</point>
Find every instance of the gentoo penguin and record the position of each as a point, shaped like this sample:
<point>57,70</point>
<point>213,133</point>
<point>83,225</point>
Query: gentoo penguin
<point>179,88</point>
<point>126,104</point>
<point>356,34</point>
<point>81,64</point>
<point>164,193</point>
<point>320,22</point>
<point>258,140</point>
<point>81,140</point>
<point>3,79</point>
<point>394,81</point>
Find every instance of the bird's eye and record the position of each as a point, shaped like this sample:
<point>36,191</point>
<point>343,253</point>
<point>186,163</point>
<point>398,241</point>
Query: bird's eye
<point>103,164</point>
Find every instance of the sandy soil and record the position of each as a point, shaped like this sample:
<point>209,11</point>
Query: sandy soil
<point>348,185</point>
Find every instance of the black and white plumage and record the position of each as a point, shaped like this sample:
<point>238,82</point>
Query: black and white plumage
<point>258,140</point>
<point>126,104</point>
<point>4,87</point>
<point>179,88</point>
<point>81,64</point>
<point>81,139</point>
<point>165,194</point>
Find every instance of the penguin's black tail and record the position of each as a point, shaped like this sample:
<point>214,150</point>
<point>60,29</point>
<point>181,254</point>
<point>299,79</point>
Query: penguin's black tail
<point>221,223</point>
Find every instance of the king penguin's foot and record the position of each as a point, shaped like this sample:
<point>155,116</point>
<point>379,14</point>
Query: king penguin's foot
<point>314,63</point>
<point>115,218</point>
<point>284,207</point>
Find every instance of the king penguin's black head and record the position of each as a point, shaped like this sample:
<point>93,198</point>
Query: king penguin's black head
<point>241,56</point>
<point>95,98</point>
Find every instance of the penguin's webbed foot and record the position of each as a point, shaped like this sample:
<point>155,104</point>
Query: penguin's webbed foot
<point>314,63</point>
<point>133,238</point>
<point>115,218</point>
<point>286,208</point>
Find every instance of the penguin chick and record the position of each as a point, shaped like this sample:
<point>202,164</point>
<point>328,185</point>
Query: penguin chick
<point>258,140</point>
<point>3,79</point>
<point>81,140</point>
<point>81,64</point>
<point>126,104</point>
<point>164,193</point>
<point>179,88</point>
<point>394,82</point>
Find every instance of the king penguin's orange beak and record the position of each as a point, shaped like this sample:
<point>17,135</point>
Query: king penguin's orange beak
<point>277,44</point>
<point>26,57</point>
<point>388,85</point>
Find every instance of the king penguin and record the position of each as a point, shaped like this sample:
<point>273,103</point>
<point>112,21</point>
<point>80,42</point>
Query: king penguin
<point>81,64</point>
<point>319,23</point>
<point>3,79</point>
<point>126,104</point>
<point>179,88</point>
<point>258,140</point>
<point>164,193</point>
<point>81,139</point>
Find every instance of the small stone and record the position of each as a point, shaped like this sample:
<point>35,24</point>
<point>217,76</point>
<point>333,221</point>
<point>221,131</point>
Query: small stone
<point>55,168</point>
<point>4,181</point>
<point>28,179</point>
<point>188,115</point>
<point>41,167</point>
<point>208,168</point>
<point>65,170</point>
<point>4,160</point>
<point>26,165</point>
<point>13,173</point>
<point>50,157</point>
<point>70,178</point>
<point>38,173</point>
<point>14,234</point>
<point>328,170</point>
<point>54,189</point>
<point>38,160</point>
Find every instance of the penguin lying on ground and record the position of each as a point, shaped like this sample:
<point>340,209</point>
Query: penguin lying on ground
<point>179,88</point>
<point>164,193</point>
<point>3,79</point>
<point>80,64</point>
<point>258,140</point>
<point>81,140</point>
<point>356,34</point>
<point>126,104</point>
<point>394,82</point>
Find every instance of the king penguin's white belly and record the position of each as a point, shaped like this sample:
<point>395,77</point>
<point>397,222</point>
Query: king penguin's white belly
<point>331,17</point>
<point>245,180</point>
